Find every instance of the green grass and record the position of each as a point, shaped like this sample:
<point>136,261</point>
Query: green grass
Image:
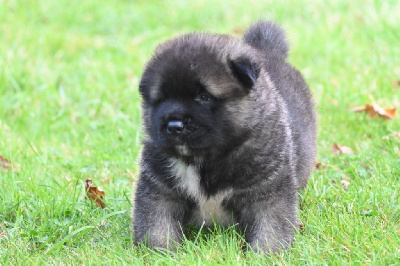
<point>69,110</point>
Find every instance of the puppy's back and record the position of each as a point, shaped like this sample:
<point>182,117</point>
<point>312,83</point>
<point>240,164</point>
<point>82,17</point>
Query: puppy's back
<point>270,39</point>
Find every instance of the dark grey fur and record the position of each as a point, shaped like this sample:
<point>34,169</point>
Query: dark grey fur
<point>246,144</point>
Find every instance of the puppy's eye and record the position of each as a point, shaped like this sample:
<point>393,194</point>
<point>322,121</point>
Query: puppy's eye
<point>205,98</point>
<point>159,100</point>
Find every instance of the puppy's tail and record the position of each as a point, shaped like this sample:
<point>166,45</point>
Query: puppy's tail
<point>267,37</point>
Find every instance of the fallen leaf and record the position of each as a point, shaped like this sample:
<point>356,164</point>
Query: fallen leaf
<point>365,166</point>
<point>360,18</point>
<point>374,110</point>
<point>95,194</point>
<point>6,164</point>
<point>345,184</point>
<point>301,226</point>
<point>320,165</point>
<point>238,31</point>
<point>341,149</point>
<point>393,135</point>
<point>132,175</point>
<point>2,234</point>
<point>396,83</point>
<point>106,179</point>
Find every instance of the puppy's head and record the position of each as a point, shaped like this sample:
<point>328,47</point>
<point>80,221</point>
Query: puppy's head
<point>194,92</point>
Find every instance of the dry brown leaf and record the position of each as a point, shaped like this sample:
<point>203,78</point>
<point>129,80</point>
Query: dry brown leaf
<point>396,83</point>
<point>393,135</point>
<point>301,226</point>
<point>105,180</point>
<point>341,149</point>
<point>366,167</point>
<point>360,18</point>
<point>320,165</point>
<point>238,31</point>
<point>374,110</point>
<point>345,184</point>
<point>6,164</point>
<point>132,175</point>
<point>95,194</point>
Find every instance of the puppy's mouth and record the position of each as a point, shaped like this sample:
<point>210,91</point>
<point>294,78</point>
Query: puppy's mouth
<point>183,150</point>
<point>182,137</point>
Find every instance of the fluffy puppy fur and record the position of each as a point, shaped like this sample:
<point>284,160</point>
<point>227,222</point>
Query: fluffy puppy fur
<point>230,138</point>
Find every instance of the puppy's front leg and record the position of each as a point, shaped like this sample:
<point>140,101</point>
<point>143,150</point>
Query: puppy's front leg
<point>158,222</point>
<point>269,223</point>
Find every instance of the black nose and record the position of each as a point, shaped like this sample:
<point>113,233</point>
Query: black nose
<point>175,127</point>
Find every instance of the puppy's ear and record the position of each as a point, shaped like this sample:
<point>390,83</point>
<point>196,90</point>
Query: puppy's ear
<point>245,71</point>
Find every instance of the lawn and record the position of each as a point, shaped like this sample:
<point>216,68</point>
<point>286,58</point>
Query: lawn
<point>70,110</point>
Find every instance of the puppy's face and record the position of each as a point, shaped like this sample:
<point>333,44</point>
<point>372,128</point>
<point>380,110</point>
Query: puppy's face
<point>191,98</point>
<point>187,123</point>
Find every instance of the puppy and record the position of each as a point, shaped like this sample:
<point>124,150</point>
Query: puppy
<point>230,138</point>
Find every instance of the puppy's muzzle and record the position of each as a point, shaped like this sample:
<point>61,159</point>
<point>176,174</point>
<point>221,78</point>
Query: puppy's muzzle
<point>176,127</point>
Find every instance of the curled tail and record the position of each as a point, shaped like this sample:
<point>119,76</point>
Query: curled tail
<point>268,37</point>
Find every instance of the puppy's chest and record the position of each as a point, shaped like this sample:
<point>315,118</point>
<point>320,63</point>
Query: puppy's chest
<point>209,209</point>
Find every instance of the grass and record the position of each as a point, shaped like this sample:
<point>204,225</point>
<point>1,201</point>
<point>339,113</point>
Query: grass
<point>69,110</point>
